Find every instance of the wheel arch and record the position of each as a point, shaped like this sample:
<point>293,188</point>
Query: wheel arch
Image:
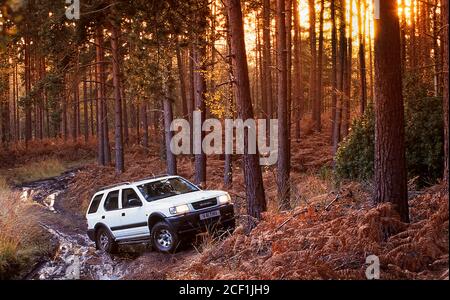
<point>155,218</point>
<point>102,225</point>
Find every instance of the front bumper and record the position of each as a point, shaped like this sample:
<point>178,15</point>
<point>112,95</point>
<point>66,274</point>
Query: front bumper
<point>190,224</point>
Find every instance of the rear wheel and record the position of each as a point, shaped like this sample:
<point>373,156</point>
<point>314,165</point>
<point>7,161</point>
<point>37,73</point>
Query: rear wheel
<point>105,242</point>
<point>164,238</point>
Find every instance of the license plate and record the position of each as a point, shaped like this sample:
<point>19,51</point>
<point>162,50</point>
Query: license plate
<point>209,215</point>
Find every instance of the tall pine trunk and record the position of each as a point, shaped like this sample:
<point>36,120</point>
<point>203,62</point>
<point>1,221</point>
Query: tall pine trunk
<point>169,85</point>
<point>313,68</point>
<point>297,80</point>
<point>283,178</point>
<point>319,88</point>
<point>256,202</point>
<point>362,60</point>
<point>445,85</point>
<point>200,89</point>
<point>118,126</point>
<point>390,161</point>
<point>333,67</point>
<point>267,60</point>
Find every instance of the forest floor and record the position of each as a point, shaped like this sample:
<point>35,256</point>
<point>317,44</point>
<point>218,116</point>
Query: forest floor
<point>328,235</point>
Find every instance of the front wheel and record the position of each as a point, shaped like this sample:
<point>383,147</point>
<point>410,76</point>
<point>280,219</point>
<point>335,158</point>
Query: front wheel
<point>164,238</point>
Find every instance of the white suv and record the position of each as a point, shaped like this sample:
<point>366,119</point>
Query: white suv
<point>165,210</point>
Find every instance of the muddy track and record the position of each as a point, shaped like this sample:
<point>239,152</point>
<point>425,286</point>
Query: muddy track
<point>75,255</point>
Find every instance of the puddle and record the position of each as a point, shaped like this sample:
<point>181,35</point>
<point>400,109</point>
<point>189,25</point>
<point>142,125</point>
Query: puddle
<point>75,256</point>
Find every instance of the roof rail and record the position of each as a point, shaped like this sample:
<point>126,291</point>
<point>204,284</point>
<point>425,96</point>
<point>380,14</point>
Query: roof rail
<point>154,177</point>
<point>114,185</point>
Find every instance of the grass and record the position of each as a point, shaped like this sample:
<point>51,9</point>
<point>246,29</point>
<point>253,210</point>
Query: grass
<point>22,240</point>
<point>37,170</point>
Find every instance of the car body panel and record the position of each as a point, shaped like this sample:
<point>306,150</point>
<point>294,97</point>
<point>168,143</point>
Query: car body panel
<point>126,224</point>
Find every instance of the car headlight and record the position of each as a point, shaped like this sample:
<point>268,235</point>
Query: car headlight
<point>179,210</point>
<point>224,199</point>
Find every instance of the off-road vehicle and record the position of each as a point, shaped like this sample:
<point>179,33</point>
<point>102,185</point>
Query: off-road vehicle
<point>164,210</point>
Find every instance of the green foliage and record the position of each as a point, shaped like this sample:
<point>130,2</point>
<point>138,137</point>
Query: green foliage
<point>355,156</point>
<point>424,140</point>
<point>424,131</point>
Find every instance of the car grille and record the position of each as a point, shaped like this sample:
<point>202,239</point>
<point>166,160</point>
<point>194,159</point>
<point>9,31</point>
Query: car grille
<point>204,203</point>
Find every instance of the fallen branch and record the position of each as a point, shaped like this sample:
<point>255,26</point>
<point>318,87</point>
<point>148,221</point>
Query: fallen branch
<point>292,217</point>
<point>331,203</point>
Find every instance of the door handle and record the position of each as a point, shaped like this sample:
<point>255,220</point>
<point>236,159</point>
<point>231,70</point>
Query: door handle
<point>123,214</point>
<point>103,217</point>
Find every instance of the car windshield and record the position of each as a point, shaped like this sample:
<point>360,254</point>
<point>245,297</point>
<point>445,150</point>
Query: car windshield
<point>157,190</point>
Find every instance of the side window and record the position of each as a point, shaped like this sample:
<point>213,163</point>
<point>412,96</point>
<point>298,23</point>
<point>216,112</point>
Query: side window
<point>95,204</point>
<point>112,201</point>
<point>130,199</point>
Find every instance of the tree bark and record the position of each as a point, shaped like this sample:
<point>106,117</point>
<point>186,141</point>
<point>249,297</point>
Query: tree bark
<point>28,105</point>
<point>85,112</point>
<point>297,80</point>
<point>313,68</point>
<point>362,61</point>
<point>341,76</point>
<point>118,136</point>
<point>267,61</point>
<point>256,202</point>
<point>390,161</point>
<point>348,77</point>
<point>445,23</point>
<point>182,78</point>
<point>100,96</point>
<point>144,118</point>
<point>334,86</point>
<point>200,88</point>
<point>283,178</point>
<point>319,88</point>
<point>171,160</point>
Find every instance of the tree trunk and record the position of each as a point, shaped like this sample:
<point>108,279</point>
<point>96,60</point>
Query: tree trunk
<point>171,160</point>
<point>283,178</point>
<point>362,61</point>
<point>313,68</point>
<point>445,85</point>
<point>200,91</point>
<point>100,96</point>
<point>297,82</point>
<point>85,112</point>
<point>228,167</point>
<point>341,76</point>
<point>334,86</point>
<point>118,136</point>
<point>256,202</point>
<point>182,78</point>
<point>412,39</point>
<point>390,162</point>
<point>348,77</point>
<point>144,118</point>
<point>288,22</point>
<point>267,61</point>
<point>28,105</point>
<point>319,88</point>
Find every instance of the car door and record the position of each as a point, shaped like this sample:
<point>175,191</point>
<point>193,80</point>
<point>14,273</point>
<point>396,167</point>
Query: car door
<point>134,218</point>
<point>112,215</point>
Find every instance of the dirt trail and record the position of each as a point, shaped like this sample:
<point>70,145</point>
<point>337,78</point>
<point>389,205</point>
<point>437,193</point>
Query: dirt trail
<point>75,256</point>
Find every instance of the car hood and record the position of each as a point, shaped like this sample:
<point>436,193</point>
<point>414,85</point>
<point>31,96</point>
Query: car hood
<point>189,198</point>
